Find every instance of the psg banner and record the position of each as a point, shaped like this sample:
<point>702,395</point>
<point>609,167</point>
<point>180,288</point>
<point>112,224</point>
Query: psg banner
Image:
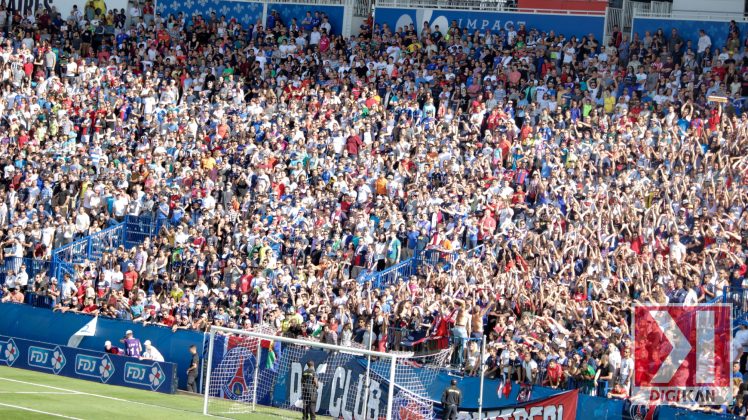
<point>562,406</point>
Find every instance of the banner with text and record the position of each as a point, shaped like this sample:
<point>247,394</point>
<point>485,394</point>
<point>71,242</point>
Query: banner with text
<point>562,406</point>
<point>569,25</point>
<point>341,378</point>
<point>88,365</point>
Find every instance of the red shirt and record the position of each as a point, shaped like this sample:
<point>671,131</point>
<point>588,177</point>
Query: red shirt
<point>554,373</point>
<point>246,282</point>
<point>130,278</point>
<point>353,144</point>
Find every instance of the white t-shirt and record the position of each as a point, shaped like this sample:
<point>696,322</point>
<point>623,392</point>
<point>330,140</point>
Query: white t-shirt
<point>739,342</point>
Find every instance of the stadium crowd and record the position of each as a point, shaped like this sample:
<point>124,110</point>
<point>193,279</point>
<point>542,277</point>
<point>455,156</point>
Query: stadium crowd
<point>285,164</point>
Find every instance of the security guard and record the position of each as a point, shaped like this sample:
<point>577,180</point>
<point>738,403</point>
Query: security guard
<point>309,391</point>
<point>451,399</point>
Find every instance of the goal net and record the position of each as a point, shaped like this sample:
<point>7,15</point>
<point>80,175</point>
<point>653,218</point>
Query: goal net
<point>251,368</point>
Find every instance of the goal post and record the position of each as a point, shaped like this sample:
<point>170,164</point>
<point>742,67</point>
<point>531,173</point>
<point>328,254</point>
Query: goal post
<point>245,369</point>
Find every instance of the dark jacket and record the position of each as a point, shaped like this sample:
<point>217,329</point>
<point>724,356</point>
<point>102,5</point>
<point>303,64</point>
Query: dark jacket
<point>452,396</point>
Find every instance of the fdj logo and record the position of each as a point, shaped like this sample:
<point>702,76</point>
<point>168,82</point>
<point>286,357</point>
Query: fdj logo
<point>682,354</point>
<point>94,366</point>
<point>8,352</point>
<point>48,359</point>
<point>150,376</point>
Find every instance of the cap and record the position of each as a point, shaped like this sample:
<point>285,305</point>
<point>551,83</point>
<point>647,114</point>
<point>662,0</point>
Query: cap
<point>128,332</point>
<point>147,343</point>
<point>107,343</point>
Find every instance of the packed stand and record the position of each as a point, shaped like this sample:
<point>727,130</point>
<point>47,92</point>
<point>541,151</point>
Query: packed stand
<point>285,164</point>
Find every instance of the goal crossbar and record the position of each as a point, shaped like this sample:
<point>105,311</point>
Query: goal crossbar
<point>261,336</point>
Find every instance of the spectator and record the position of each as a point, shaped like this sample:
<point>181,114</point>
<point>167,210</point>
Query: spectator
<point>111,349</point>
<point>193,370</point>
<point>132,345</point>
<point>537,174</point>
<point>151,352</point>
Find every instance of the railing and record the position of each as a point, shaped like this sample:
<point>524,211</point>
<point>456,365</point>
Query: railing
<point>484,5</point>
<point>89,248</point>
<point>133,231</point>
<point>663,7</point>
<point>406,268</point>
<point>39,301</point>
<point>139,228</point>
<point>362,8</point>
<point>106,240</point>
<point>739,299</point>
<point>33,267</point>
<point>690,15</point>
<point>311,3</point>
<point>613,18</point>
<point>390,275</point>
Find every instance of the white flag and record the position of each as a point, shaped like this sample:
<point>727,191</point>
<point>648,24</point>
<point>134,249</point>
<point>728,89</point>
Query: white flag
<point>88,330</point>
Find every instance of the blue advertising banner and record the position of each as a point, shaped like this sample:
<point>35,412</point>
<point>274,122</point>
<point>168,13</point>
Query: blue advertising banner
<point>687,29</point>
<point>250,12</point>
<point>245,12</point>
<point>88,365</point>
<point>578,25</point>
<point>17,321</point>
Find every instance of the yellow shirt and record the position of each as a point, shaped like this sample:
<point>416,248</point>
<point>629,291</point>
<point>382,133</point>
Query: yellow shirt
<point>610,103</point>
<point>209,163</point>
<point>99,5</point>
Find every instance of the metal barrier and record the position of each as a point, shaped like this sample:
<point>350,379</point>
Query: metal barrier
<point>362,8</point>
<point>429,257</point>
<point>33,267</point>
<point>90,248</point>
<point>138,229</point>
<point>129,233</point>
<point>39,301</point>
<point>739,299</point>
<point>390,275</point>
<point>105,241</point>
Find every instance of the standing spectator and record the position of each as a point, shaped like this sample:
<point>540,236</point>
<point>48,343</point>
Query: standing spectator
<point>704,43</point>
<point>193,370</point>
<point>130,279</point>
<point>132,345</point>
<point>528,369</point>
<point>309,386</point>
<point>451,401</point>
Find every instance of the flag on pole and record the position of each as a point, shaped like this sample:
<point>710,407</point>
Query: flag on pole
<point>88,330</point>
<point>270,361</point>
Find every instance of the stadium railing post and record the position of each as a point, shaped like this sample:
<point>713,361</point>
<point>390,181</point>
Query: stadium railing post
<point>391,390</point>
<point>256,374</point>
<point>210,366</point>
<point>482,376</point>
